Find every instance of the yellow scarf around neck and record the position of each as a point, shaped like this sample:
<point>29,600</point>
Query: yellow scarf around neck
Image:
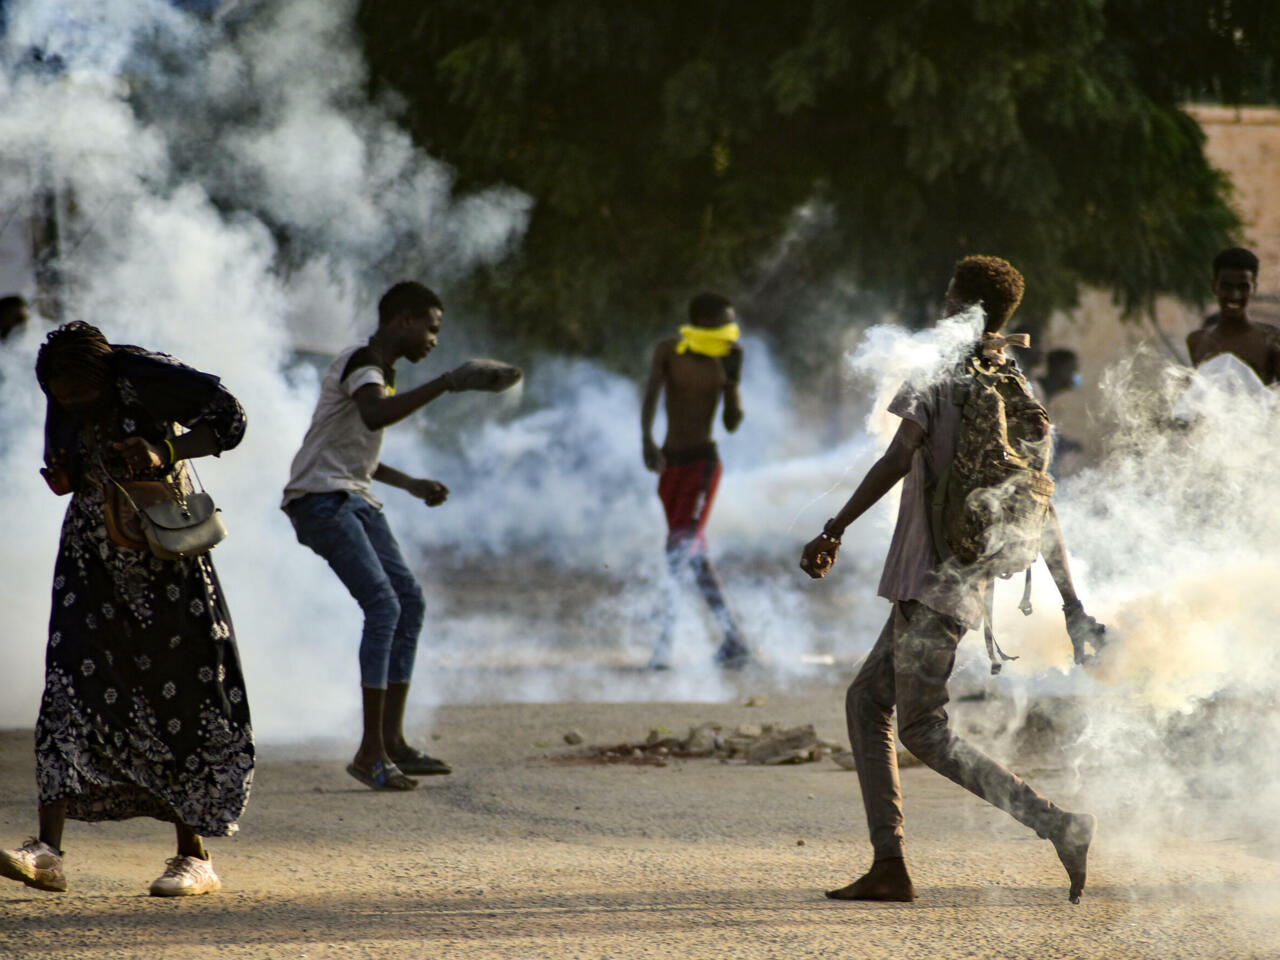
<point>708,341</point>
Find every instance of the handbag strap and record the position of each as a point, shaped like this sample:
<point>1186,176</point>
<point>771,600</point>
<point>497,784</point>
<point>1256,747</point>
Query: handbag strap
<point>174,484</point>
<point>191,465</point>
<point>97,456</point>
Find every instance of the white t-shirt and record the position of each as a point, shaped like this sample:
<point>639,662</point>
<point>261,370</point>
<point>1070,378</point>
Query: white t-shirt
<point>339,453</point>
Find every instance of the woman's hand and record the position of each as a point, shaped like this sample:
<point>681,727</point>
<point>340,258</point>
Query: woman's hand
<point>140,455</point>
<point>55,474</point>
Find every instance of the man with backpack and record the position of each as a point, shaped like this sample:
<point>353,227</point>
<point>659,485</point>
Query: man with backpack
<point>973,450</point>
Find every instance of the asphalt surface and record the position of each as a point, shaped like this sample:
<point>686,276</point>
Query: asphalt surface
<point>516,855</point>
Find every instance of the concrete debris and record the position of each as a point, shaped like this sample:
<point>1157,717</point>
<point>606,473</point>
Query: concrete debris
<point>796,745</point>
<point>905,759</point>
<point>574,737</point>
<point>845,760</point>
<point>767,744</point>
<point>705,738</point>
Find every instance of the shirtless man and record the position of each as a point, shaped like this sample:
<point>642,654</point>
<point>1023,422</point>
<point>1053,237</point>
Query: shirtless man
<point>695,369</point>
<point>1235,276</point>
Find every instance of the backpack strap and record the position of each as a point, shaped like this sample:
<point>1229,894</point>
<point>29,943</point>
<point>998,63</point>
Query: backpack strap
<point>993,648</point>
<point>1025,603</point>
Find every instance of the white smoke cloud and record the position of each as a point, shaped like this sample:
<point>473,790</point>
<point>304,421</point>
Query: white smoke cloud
<point>1173,542</point>
<point>180,152</point>
<point>544,569</point>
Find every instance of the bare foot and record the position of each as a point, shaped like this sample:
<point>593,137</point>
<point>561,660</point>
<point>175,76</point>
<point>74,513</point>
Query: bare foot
<point>886,880</point>
<point>1071,840</point>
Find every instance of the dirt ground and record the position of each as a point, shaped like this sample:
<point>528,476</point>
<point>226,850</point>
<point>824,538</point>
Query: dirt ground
<point>517,856</point>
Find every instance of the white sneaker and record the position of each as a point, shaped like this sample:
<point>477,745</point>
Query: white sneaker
<point>186,877</point>
<point>36,864</point>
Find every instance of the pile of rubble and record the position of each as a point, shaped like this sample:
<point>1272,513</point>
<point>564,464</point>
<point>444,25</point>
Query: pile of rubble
<point>767,745</point>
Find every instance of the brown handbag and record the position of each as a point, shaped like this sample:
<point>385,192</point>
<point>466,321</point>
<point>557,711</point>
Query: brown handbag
<point>167,517</point>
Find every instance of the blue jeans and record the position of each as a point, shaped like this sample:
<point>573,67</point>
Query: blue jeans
<point>353,536</point>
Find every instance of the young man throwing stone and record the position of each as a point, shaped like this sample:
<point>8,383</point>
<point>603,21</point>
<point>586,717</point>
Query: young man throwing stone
<point>334,512</point>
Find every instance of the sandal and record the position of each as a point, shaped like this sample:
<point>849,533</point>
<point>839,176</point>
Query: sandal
<point>382,776</point>
<point>419,764</point>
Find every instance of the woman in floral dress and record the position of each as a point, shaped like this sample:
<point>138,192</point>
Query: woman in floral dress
<point>144,710</point>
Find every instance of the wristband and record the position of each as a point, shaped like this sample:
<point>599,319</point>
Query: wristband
<point>828,536</point>
<point>173,457</point>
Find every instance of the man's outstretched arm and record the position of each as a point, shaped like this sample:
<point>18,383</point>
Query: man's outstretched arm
<point>377,410</point>
<point>649,407</point>
<point>1081,627</point>
<point>820,553</point>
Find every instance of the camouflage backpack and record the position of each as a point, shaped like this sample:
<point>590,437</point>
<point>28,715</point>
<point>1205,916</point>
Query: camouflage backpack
<point>989,506</point>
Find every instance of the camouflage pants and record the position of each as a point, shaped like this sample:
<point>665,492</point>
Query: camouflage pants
<point>909,666</point>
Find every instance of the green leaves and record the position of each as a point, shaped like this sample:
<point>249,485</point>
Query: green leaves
<point>669,147</point>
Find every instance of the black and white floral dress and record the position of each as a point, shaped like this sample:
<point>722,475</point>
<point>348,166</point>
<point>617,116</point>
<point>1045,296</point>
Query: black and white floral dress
<point>144,710</point>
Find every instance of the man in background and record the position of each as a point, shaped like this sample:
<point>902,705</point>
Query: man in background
<point>695,371</point>
<point>1235,278</point>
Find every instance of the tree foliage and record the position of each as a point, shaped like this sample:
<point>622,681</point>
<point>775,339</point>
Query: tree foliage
<point>773,150</point>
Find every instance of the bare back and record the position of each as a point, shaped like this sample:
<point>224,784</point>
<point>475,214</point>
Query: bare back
<point>1257,344</point>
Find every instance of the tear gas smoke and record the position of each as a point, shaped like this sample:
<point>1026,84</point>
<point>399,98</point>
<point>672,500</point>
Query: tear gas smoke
<point>543,570</point>
<point>1173,541</point>
<point>179,151</point>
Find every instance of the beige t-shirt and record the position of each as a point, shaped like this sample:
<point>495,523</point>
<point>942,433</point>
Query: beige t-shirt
<point>911,569</point>
<point>339,453</point>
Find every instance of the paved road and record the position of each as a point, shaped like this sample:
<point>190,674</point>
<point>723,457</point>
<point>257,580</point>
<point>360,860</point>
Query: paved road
<point>517,856</point>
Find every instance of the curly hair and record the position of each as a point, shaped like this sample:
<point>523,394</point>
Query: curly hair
<point>76,350</point>
<point>994,283</point>
<point>1235,258</point>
